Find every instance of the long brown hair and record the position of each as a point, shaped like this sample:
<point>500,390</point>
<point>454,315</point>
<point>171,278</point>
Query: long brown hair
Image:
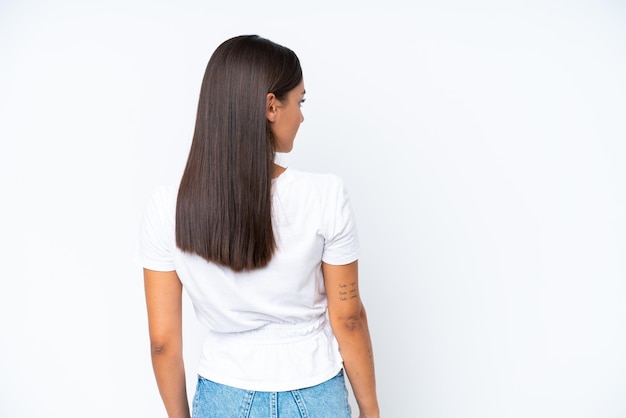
<point>223,211</point>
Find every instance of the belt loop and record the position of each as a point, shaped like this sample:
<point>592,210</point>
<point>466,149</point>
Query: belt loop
<point>246,404</point>
<point>300,402</point>
<point>273,405</point>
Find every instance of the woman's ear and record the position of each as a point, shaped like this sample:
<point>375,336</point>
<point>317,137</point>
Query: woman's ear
<point>271,104</point>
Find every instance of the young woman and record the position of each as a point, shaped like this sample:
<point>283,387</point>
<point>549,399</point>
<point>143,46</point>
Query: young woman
<point>267,254</point>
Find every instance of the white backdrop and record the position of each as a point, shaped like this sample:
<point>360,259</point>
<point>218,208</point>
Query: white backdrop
<point>483,146</point>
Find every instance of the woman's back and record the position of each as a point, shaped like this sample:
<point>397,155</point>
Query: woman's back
<point>268,256</point>
<point>275,305</point>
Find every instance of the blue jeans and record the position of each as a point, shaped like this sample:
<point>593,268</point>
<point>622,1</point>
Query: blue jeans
<point>326,400</point>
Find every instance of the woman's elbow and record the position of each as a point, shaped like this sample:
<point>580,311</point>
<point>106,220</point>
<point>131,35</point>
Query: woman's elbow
<point>164,346</point>
<point>350,323</point>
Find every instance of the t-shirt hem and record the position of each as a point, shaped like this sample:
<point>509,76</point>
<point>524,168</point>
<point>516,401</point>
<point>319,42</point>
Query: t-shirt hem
<point>264,386</point>
<point>157,266</point>
<point>339,261</point>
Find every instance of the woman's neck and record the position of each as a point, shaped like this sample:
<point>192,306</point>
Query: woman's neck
<point>278,170</point>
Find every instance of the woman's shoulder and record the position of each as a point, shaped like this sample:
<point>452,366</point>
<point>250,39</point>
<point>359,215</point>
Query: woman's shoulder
<point>163,200</point>
<point>313,179</point>
<point>165,193</point>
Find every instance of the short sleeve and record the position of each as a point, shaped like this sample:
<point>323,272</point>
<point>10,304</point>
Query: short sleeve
<point>157,240</point>
<point>341,243</point>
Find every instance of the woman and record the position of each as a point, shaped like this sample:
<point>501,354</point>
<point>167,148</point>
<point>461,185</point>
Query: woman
<point>268,256</point>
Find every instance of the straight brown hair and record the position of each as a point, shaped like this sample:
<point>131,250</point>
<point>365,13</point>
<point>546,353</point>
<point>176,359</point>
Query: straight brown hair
<point>223,210</point>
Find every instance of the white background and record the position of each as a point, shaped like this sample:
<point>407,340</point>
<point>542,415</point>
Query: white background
<point>483,146</point>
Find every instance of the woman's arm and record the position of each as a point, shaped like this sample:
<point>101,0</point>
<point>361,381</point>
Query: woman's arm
<point>349,323</point>
<point>164,302</point>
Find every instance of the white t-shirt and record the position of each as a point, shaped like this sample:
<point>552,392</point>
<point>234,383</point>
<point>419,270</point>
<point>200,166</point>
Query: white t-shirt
<point>267,328</point>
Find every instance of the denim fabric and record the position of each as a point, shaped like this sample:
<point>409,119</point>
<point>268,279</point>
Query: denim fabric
<point>326,400</point>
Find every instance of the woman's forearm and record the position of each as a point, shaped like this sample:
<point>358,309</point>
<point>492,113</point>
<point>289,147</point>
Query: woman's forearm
<point>358,358</point>
<point>170,376</point>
